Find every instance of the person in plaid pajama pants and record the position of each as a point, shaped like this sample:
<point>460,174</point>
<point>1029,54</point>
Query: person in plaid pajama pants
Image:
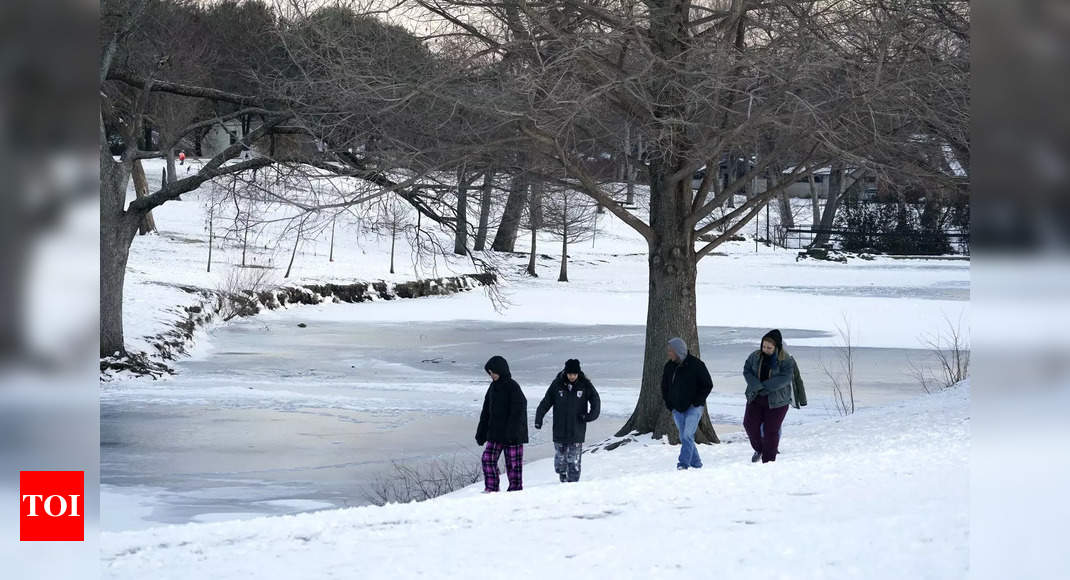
<point>514,465</point>
<point>503,426</point>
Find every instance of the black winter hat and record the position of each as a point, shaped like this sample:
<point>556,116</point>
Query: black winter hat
<point>774,337</point>
<point>572,366</point>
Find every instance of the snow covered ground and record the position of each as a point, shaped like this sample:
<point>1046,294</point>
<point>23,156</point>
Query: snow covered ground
<point>277,416</point>
<point>254,383</point>
<point>888,303</point>
<point>880,494</point>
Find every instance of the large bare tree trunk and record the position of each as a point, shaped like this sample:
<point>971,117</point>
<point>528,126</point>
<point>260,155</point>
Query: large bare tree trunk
<point>671,308</point>
<point>141,188</point>
<point>832,203</point>
<point>505,238</point>
<point>836,195</point>
<point>117,232</point>
<point>672,261</point>
<point>484,210</point>
<point>114,253</point>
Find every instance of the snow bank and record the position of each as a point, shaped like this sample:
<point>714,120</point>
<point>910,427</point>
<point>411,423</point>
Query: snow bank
<point>880,494</point>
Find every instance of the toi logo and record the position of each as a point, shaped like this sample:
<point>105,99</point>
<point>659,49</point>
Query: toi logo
<point>51,506</point>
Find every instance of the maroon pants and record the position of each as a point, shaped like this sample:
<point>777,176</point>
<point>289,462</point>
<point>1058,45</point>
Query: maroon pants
<point>763,427</point>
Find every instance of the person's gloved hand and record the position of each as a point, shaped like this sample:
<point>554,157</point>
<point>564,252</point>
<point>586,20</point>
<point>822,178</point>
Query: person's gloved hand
<point>538,424</point>
<point>480,442</point>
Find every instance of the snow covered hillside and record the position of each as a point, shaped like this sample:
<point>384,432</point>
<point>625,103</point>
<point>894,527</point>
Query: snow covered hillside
<point>880,494</point>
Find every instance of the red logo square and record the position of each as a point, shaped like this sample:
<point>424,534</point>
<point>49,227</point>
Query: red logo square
<point>51,506</point>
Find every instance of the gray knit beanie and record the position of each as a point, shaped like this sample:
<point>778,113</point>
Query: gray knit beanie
<point>679,347</point>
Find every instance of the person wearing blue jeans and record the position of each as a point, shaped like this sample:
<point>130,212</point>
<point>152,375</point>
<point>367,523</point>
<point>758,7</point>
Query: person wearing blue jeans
<point>685,384</point>
<point>687,424</point>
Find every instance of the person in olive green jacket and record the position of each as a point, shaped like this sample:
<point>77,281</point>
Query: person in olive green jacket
<point>773,381</point>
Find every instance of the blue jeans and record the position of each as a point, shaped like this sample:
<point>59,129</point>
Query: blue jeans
<point>687,424</point>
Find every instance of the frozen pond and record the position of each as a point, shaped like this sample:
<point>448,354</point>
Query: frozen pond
<point>280,419</point>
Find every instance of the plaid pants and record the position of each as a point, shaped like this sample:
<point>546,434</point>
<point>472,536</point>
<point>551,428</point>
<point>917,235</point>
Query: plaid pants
<point>567,460</point>
<point>514,465</point>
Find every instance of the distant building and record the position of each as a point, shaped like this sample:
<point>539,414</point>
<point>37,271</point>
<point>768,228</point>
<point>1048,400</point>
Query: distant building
<point>728,174</point>
<point>220,136</point>
<point>801,187</point>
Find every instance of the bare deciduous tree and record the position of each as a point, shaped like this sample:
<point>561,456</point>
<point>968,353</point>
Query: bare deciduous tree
<point>369,76</point>
<point>693,83</point>
<point>505,237</point>
<point>393,218</point>
<point>568,216</point>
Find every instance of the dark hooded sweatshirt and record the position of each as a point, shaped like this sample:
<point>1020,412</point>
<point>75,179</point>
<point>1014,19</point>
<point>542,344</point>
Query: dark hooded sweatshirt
<point>505,409</point>
<point>574,406</point>
<point>685,384</point>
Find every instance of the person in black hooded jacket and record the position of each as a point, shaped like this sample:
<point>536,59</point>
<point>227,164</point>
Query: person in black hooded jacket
<point>503,426</point>
<point>575,403</point>
<point>685,384</point>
